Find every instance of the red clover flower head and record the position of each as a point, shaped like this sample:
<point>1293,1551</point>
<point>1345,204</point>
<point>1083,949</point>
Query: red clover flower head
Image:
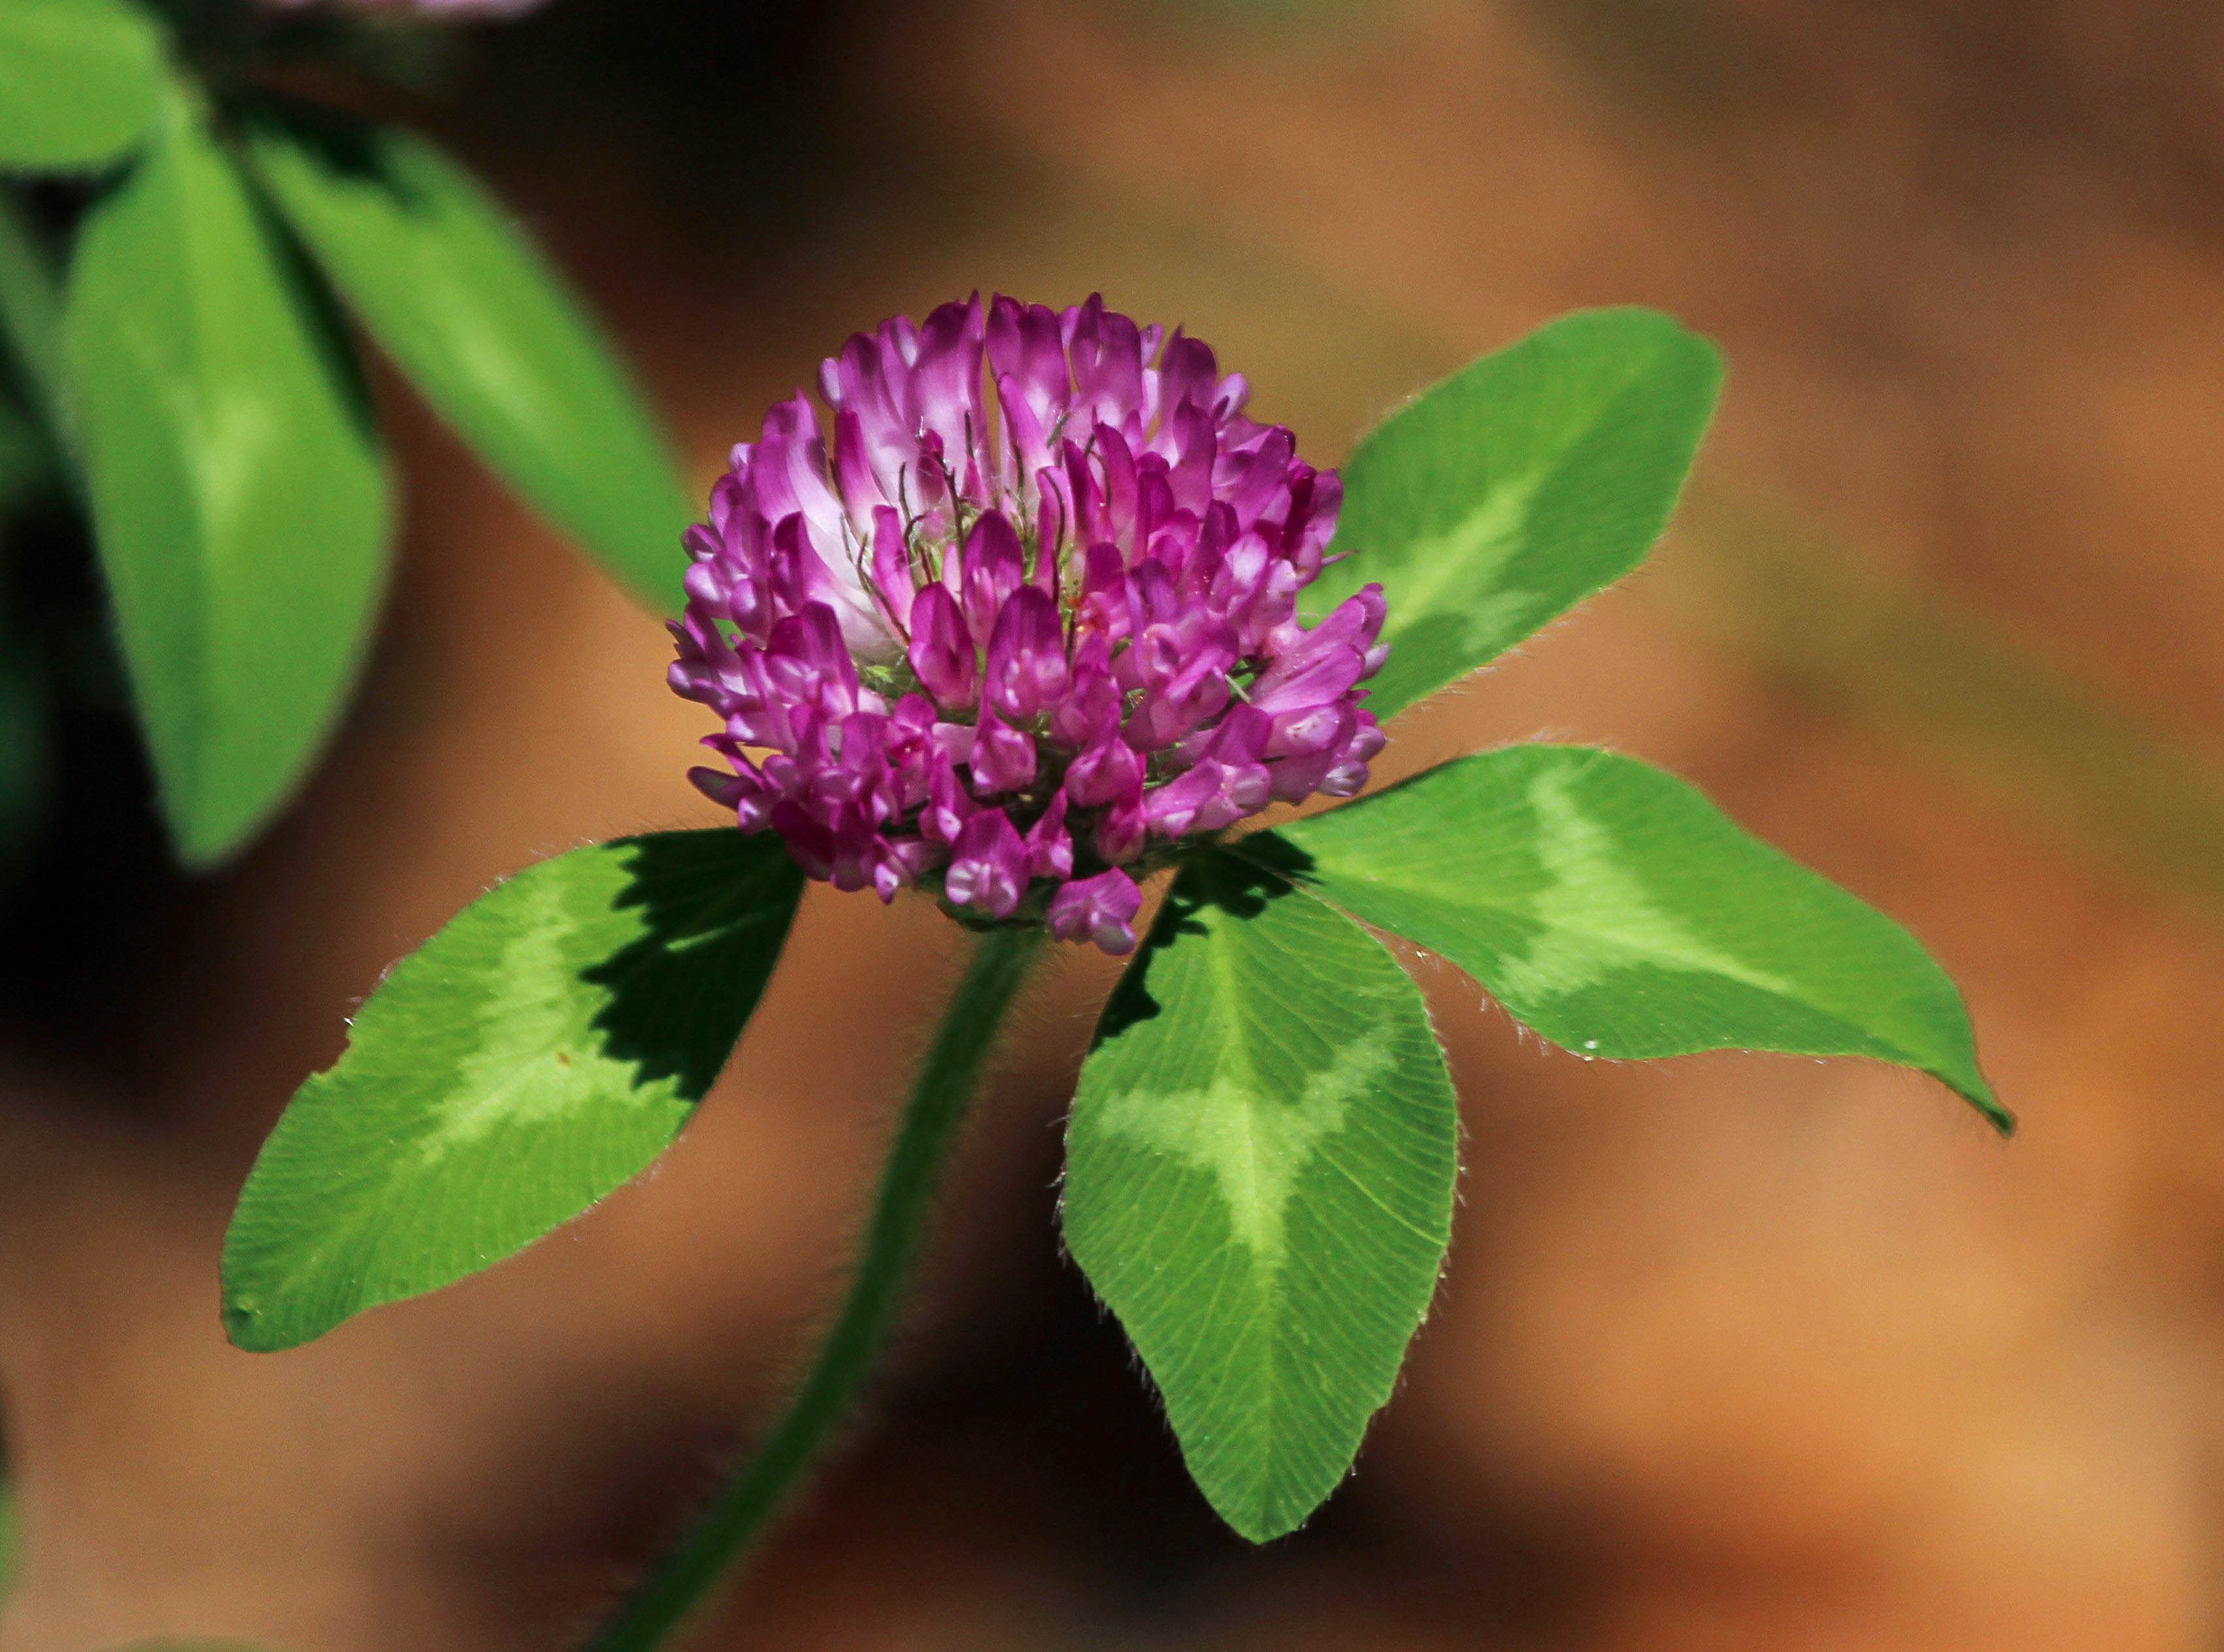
<point>1031,620</point>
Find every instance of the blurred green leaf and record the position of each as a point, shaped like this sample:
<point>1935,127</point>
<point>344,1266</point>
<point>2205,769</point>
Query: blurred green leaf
<point>1258,1182</point>
<point>30,314</point>
<point>237,493</point>
<point>1611,908</point>
<point>1522,484</point>
<point>541,1049</point>
<point>485,328</point>
<point>79,82</point>
<point>26,462</point>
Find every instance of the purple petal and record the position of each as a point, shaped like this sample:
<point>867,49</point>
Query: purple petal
<point>1121,829</point>
<point>892,576</point>
<point>1027,667</point>
<point>1049,845</point>
<point>944,392</point>
<point>1101,909</point>
<point>949,805</point>
<point>1106,769</point>
<point>1028,360</point>
<point>1315,728</point>
<point>993,567</point>
<point>1243,736</point>
<point>809,841</point>
<point>989,867</point>
<point>942,651</point>
<point>1091,699</point>
<point>1324,677</point>
<point>1003,757</point>
<point>900,865</point>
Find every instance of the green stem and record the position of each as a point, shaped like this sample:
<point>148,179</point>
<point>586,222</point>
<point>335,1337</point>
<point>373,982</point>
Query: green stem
<point>681,1580</point>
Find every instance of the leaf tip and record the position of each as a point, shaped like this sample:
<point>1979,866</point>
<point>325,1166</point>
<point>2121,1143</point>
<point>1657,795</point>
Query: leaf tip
<point>246,1327</point>
<point>201,848</point>
<point>1261,1525</point>
<point>1979,1095</point>
<point>251,1324</point>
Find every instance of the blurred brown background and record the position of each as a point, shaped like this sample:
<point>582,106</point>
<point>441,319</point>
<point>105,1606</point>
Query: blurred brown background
<point>1735,1352</point>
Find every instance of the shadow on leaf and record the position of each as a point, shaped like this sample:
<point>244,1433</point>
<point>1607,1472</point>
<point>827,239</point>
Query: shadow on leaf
<point>1216,880</point>
<point>715,906</point>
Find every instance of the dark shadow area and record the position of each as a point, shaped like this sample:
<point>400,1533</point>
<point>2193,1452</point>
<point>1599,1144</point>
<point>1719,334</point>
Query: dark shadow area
<point>736,115</point>
<point>717,906</point>
<point>92,905</point>
<point>1224,881</point>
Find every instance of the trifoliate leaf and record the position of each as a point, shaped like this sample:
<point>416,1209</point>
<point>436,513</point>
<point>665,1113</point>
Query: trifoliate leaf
<point>541,1049</point>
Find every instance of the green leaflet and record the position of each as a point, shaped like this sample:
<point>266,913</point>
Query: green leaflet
<point>1616,911</point>
<point>1258,1182</point>
<point>79,82</point>
<point>541,1049</point>
<point>30,316</point>
<point>486,330</point>
<point>26,464</point>
<point>1522,484</point>
<point>238,498</point>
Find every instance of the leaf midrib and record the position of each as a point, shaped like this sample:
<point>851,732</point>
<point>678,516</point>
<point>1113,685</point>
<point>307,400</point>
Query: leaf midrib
<point>1257,1273</point>
<point>1637,949</point>
<point>1890,1048</point>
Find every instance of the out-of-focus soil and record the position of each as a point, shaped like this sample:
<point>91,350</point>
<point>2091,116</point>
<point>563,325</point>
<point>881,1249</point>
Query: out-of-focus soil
<point>1735,1352</point>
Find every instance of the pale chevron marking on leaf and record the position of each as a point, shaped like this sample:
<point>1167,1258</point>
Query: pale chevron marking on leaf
<point>1219,1129</point>
<point>1597,914</point>
<point>1472,553</point>
<point>516,1077</point>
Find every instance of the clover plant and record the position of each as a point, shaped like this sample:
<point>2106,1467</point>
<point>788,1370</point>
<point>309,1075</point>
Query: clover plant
<point>1050,620</point>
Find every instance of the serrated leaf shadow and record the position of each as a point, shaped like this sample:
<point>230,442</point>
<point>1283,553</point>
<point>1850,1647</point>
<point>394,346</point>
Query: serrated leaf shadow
<point>1240,887</point>
<point>695,896</point>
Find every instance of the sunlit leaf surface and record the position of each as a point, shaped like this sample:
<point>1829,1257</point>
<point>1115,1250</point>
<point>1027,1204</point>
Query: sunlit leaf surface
<point>1616,911</point>
<point>543,1048</point>
<point>1258,1182</point>
<point>238,498</point>
<point>1519,486</point>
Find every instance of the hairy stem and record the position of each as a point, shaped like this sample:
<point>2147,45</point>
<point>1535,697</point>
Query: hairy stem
<point>679,1582</point>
